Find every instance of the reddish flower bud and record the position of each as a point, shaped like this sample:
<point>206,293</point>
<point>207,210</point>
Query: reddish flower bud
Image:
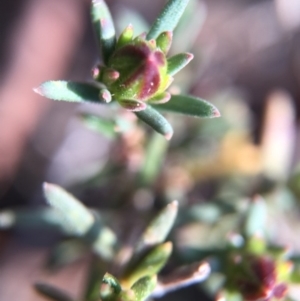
<point>137,71</point>
<point>257,280</point>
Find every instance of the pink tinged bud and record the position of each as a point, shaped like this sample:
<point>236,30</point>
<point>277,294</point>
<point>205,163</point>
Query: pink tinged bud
<point>260,283</point>
<point>164,41</point>
<point>142,71</point>
<point>109,75</point>
<point>152,43</point>
<point>133,105</point>
<point>280,291</point>
<point>105,95</point>
<point>96,73</point>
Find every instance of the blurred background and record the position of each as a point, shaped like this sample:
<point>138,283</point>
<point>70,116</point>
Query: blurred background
<point>247,54</point>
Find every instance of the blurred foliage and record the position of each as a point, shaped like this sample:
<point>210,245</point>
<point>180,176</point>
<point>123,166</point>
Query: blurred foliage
<point>236,203</point>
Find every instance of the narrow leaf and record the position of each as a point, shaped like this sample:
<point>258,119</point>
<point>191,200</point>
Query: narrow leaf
<point>65,253</point>
<point>191,22</point>
<point>38,218</point>
<point>156,121</point>
<point>94,280</point>
<point>68,91</point>
<point>144,287</point>
<point>179,61</point>
<point>148,265</point>
<point>104,27</point>
<point>160,226</point>
<point>74,212</point>
<point>189,105</point>
<point>103,241</point>
<point>52,292</point>
<point>164,41</point>
<point>182,277</point>
<point>126,36</point>
<point>100,125</point>
<point>256,217</point>
<point>168,18</point>
<point>153,160</point>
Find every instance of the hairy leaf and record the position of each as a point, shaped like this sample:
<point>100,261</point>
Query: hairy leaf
<point>156,121</point>
<point>148,265</point>
<point>189,105</point>
<point>160,226</point>
<point>69,91</point>
<point>164,41</point>
<point>99,124</point>
<point>104,27</point>
<point>168,18</point>
<point>74,212</point>
<point>154,157</point>
<point>144,287</point>
<point>179,61</point>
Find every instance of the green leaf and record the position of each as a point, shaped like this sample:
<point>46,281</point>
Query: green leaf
<point>94,279</point>
<point>168,18</point>
<point>104,27</point>
<point>52,292</point>
<point>28,219</point>
<point>192,22</point>
<point>74,212</point>
<point>177,62</point>
<point>144,287</point>
<point>65,253</point>
<point>159,227</point>
<point>148,265</point>
<point>256,217</point>
<point>189,105</point>
<point>156,121</point>
<point>102,240</point>
<point>69,91</point>
<point>164,41</point>
<point>126,36</point>
<point>100,125</point>
<point>155,154</point>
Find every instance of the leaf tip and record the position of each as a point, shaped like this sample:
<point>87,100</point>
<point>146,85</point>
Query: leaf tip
<point>169,135</point>
<point>38,90</point>
<point>173,205</point>
<point>167,247</point>
<point>95,72</point>
<point>216,113</point>
<point>105,95</point>
<point>203,270</point>
<point>46,186</point>
<point>189,56</point>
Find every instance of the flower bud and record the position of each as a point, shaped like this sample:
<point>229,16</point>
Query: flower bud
<point>257,279</point>
<point>141,67</point>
